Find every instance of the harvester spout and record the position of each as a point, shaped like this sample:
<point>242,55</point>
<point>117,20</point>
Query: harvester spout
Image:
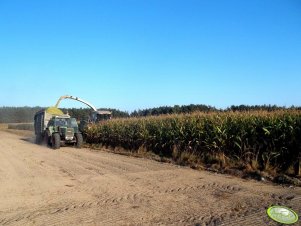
<point>74,98</point>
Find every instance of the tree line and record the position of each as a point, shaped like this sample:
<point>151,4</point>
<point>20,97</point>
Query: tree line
<point>259,108</point>
<point>205,108</point>
<point>176,109</point>
<point>26,114</point>
<point>17,114</point>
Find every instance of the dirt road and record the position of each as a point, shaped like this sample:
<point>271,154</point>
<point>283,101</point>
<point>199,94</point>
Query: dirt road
<point>41,186</point>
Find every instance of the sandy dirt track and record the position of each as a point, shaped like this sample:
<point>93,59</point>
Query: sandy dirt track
<point>41,186</point>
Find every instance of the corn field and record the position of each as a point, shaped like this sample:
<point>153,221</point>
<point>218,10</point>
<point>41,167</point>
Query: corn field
<point>271,139</point>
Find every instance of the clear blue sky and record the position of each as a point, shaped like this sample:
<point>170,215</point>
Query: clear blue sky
<point>134,54</point>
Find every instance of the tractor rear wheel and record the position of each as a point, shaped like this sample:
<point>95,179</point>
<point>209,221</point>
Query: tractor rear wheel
<point>56,141</point>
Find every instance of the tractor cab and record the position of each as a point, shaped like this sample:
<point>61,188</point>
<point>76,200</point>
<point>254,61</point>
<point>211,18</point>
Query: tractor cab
<point>99,116</point>
<point>94,118</point>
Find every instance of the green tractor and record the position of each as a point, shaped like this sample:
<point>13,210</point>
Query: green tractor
<point>56,129</point>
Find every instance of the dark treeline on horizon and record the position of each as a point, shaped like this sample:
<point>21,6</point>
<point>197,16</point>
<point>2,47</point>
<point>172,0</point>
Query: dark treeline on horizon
<point>177,109</point>
<point>26,114</point>
<point>204,108</point>
<point>17,114</point>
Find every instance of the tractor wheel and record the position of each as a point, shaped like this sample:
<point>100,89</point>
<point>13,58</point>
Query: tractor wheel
<point>56,141</point>
<point>79,140</point>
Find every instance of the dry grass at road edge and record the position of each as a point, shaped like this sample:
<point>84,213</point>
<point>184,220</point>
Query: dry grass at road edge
<point>25,133</point>
<point>187,159</point>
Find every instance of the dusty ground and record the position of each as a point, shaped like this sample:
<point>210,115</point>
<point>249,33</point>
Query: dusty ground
<point>41,186</point>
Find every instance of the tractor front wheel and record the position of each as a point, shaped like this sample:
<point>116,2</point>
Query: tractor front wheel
<point>56,141</point>
<point>79,140</point>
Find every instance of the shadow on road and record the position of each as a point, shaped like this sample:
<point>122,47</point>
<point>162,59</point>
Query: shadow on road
<point>28,139</point>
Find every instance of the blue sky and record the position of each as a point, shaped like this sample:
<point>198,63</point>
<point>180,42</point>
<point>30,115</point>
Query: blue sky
<point>135,54</point>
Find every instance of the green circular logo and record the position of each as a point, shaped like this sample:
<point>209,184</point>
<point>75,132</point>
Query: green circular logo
<point>282,214</point>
